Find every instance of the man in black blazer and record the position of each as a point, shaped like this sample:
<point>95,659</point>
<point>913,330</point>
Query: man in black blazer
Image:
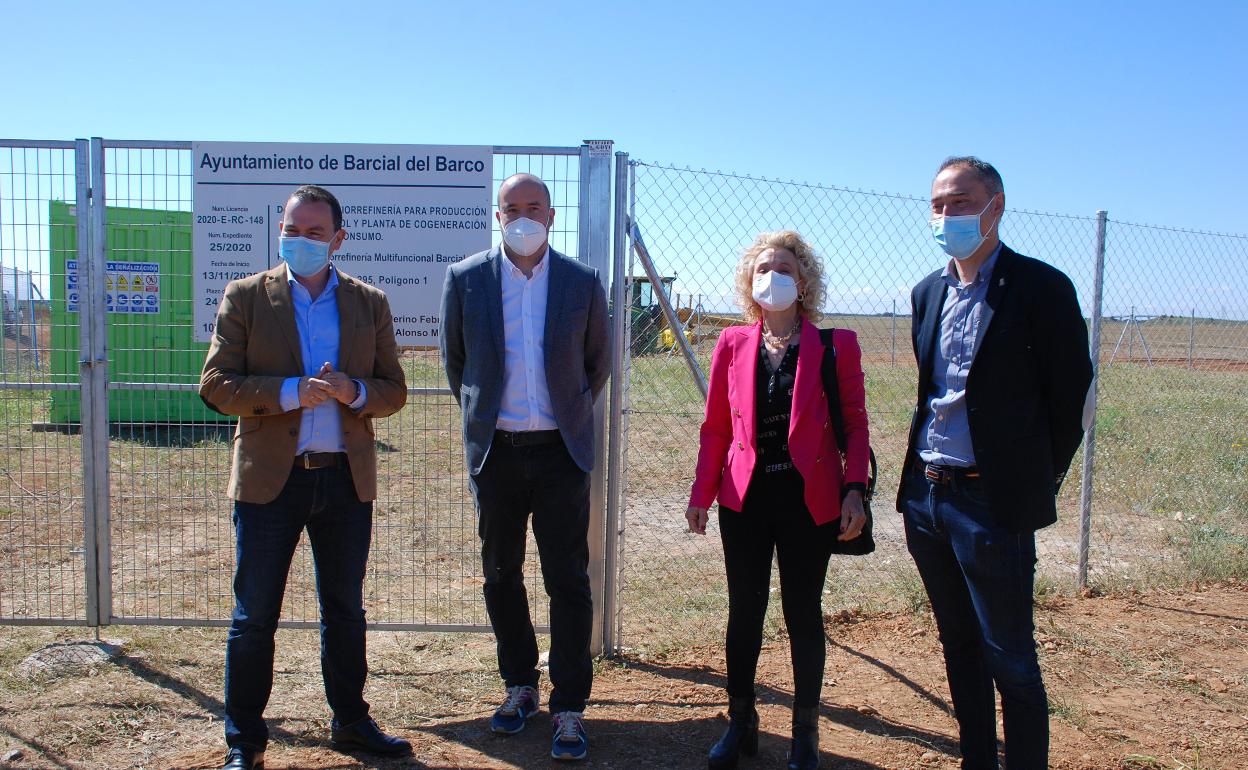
<point>1004,374</point>
<point>524,343</point>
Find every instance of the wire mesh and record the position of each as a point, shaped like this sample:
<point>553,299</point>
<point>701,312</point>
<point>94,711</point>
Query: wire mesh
<point>42,555</point>
<point>874,248</point>
<point>1170,496</point>
<point>171,549</point>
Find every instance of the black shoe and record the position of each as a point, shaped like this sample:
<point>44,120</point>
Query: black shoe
<point>366,736</point>
<point>243,759</point>
<point>741,737</point>
<point>804,750</point>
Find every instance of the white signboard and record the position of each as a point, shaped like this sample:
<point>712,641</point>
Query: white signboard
<point>409,211</point>
<point>129,287</point>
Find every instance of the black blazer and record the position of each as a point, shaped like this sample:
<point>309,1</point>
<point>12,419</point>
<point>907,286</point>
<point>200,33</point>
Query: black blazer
<point>576,348</point>
<point>1027,386</point>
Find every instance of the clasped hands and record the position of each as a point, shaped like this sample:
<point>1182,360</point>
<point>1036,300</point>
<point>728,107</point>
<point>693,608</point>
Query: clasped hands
<point>853,517</point>
<point>327,384</point>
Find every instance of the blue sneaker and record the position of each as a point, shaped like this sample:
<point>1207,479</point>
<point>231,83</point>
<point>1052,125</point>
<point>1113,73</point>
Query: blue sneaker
<point>522,702</point>
<point>570,741</point>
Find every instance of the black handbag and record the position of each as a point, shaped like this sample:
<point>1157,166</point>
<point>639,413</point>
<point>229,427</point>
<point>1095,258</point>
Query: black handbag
<point>865,542</point>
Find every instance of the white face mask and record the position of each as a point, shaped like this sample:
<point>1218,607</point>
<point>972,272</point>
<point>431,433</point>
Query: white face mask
<point>524,236</point>
<point>774,291</point>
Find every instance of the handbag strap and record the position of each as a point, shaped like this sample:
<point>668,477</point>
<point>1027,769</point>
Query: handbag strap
<point>832,389</point>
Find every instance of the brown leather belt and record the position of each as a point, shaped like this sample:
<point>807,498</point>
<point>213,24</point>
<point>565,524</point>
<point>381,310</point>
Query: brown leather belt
<point>311,461</point>
<point>528,437</point>
<point>947,474</point>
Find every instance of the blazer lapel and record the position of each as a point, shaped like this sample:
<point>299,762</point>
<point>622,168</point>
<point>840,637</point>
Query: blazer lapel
<point>1000,283</point>
<point>808,382</point>
<point>554,309</point>
<point>348,308</point>
<point>934,303</point>
<point>278,291</point>
<point>745,372</point>
<point>494,301</point>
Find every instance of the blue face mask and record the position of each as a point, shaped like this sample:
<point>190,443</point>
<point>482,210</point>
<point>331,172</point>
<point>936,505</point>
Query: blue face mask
<point>305,256</point>
<point>959,236</point>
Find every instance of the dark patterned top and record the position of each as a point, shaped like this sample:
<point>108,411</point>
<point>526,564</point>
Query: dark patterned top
<point>773,411</point>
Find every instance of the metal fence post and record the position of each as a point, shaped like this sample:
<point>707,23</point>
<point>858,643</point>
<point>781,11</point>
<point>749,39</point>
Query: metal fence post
<point>665,304</point>
<point>594,245</point>
<point>619,323</point>
<point>1191,339</point>
<point>82,209</point>
<point>95,401</point>
<point>1089,443</point>
<point>893,333</point>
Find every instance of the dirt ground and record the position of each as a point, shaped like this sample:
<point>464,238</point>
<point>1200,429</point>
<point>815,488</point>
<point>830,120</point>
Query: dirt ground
<point>1136,682</point>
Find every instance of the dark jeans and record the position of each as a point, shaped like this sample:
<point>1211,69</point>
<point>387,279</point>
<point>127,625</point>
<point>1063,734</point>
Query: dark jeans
<point>775,521</point>
<point>979,578</point>
<point>545,481</point>
<point>339,529</point>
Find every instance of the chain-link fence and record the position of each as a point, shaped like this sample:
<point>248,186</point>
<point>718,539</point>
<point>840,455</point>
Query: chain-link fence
<point>159,520</point>
<point>1169,488</point>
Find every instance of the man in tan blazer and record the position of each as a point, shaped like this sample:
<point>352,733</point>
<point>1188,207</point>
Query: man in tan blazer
<point>305,356</point>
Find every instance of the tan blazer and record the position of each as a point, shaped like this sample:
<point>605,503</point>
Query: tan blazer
<point>256,347</point>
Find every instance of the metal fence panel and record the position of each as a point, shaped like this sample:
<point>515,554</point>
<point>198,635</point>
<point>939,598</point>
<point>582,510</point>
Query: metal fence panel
<point>172,537</point>
<point>43,555</point>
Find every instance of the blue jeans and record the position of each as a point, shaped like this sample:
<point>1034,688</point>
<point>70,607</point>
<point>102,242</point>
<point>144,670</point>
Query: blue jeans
<point>979,577</point>
<point>339,529</point>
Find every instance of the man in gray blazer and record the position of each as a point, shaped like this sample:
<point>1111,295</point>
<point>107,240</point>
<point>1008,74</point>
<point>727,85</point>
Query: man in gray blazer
<point>524,343</point>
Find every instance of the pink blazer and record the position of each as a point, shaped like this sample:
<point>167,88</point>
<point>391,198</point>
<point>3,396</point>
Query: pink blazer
<point>728,449</point>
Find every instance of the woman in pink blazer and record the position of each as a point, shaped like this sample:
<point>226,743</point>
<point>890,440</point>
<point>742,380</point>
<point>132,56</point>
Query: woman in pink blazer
<point>768,453</point>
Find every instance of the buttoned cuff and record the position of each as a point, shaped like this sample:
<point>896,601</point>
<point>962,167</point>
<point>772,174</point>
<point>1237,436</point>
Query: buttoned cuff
<point>362,399</point>
<point>289,398</point>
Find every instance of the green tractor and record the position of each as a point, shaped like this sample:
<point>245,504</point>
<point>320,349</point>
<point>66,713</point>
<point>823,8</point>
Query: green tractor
<point>646,321</point>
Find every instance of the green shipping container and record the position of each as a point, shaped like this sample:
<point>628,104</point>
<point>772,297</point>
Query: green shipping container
<point>150,325</point>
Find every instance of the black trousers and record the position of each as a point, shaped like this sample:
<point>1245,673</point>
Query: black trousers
<point>774,520</point>
<point>544,481</point>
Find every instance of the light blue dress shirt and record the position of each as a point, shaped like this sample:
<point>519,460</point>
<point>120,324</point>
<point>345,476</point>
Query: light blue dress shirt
<point>946,436</point>
<point>320,428</point>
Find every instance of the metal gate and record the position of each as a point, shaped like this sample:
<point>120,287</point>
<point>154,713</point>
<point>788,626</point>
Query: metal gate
<point>114,472</point>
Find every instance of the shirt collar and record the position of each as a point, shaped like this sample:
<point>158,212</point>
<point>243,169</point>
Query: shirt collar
<point>516,272</point>
<point>950,274</point>
<point>292,279</point>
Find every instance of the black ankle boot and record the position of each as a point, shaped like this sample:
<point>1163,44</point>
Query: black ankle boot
<point>804,750</point>
<point>741,737</point>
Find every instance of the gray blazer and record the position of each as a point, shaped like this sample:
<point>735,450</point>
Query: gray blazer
<point>577,356</point>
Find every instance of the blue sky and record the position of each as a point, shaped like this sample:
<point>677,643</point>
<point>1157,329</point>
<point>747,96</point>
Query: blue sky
<point>1135,107</point>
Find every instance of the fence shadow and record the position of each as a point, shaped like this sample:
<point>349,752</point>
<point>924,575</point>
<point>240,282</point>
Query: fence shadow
<point>46,753</point>
<point>208,703</point>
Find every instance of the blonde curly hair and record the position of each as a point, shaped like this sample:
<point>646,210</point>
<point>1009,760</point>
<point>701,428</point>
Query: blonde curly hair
<point>809,272</point>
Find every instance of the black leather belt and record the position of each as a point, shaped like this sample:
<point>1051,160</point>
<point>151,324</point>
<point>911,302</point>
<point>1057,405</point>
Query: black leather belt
<point>947,474</point>
<point>528,437</point>
<point>311,461</point>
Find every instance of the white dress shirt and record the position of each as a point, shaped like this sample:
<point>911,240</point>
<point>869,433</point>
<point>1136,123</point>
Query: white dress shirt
<point>526,398</point>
